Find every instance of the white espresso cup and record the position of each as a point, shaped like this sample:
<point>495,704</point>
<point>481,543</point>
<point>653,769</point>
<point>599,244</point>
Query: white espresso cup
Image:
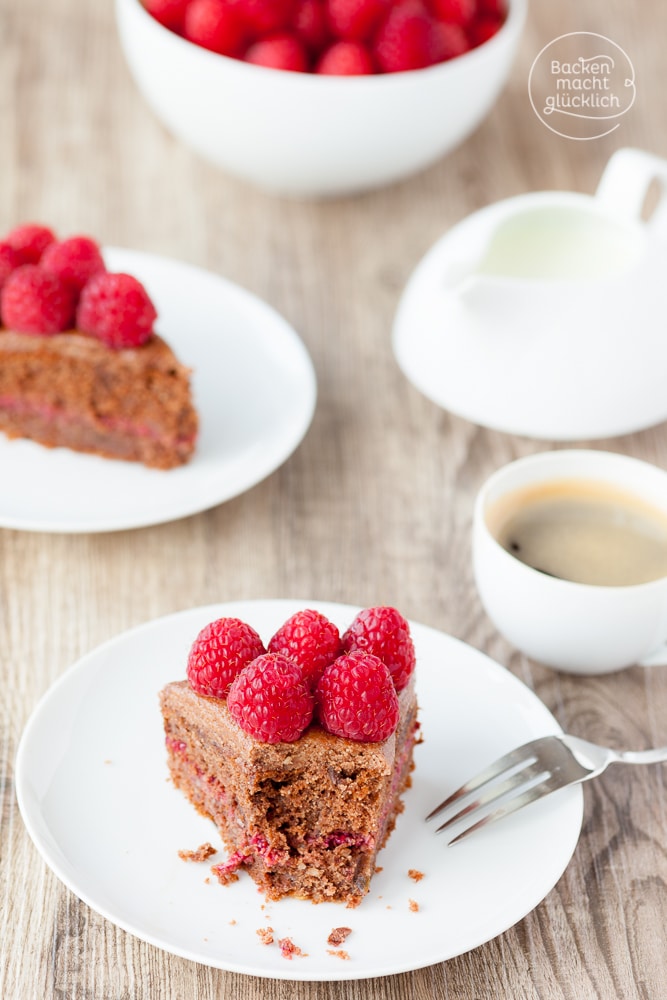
<point>575,627</point>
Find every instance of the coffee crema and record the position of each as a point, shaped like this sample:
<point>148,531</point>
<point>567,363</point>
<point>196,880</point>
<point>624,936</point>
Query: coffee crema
<point>585,531</point>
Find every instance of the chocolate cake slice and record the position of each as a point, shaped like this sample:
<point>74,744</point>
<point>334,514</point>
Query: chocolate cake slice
<point>305,818</point>
<point>80,362</point>
<point>71,389</point>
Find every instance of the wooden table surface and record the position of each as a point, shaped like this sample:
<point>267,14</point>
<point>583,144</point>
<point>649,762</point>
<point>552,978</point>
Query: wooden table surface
<point>374,506</point>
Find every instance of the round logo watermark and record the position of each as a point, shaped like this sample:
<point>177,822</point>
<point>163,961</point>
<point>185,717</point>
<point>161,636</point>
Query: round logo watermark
<point>581,84</point>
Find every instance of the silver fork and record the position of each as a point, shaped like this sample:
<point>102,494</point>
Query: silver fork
<point>532,771</point>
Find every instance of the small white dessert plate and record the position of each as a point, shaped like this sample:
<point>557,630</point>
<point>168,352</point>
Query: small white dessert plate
<point>254,387</point>
<point>91,781</point>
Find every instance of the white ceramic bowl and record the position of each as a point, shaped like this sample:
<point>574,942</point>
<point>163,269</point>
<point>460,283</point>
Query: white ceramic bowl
<point>304,134</point>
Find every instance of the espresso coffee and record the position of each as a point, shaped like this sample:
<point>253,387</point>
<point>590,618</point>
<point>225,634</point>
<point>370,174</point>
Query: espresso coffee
<point>582,531</point>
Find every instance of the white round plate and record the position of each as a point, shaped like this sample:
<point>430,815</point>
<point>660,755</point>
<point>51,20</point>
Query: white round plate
<point>537,378</point>
<point>253,385</point>
<point>91,781</point>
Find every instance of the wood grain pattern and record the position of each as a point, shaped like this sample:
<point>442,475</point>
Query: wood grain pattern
<point>375,506</point>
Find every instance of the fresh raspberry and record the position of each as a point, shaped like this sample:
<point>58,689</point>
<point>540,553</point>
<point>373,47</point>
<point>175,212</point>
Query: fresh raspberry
<point>355,20</point>
<point>346,59</point>
<point>270,699</point>
<point>34,301</point>
<point>215,25</point>
<point>219,653</point>
<point>385,633</point>
<point>9,260</point>
<point>263,17</point>
<point>310,640</point>
<point>356,698</point>
<point>116,308</point>
<point>449,41</point>
<point>75,260</point>
<point>483,29</point>
<point>282,51</point>
<point>461,12</point>
<point>310,24</point>
<point>30,240</point>
<point>492,8</point>
<point>405,40</point>
<point>170,13</point>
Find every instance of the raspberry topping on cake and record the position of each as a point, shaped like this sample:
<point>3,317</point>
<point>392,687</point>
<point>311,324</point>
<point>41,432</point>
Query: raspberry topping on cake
<point>30,241</point>
<point>117,309</point>
<point>219,653</point>
<point>310,640</point>
<point>75,260</point>
<point>34,301</point>
<point>270,699</point>
<point>384,632</point>
<point>356,698</point>
<point>10,259</point>
<point>66,282</point>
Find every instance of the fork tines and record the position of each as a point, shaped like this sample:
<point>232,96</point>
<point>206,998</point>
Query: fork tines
<point>518,769</point>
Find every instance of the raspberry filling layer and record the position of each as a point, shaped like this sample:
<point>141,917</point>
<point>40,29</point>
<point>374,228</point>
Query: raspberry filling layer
<point>115,425</point>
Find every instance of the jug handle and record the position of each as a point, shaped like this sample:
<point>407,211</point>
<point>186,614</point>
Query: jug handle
<point>625,183</point>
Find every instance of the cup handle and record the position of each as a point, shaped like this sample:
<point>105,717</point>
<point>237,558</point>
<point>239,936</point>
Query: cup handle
<point>625,183</point>
<point>658,658</point>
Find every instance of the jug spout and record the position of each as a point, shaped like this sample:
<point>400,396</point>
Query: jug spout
<point>471,288</point>
<point>458,274</point>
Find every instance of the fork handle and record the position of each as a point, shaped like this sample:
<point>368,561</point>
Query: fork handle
<point>642,756</point>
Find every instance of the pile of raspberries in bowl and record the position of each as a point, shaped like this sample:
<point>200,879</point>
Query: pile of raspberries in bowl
<point>334,37</point>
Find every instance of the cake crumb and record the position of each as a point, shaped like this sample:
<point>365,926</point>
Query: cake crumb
<point>226,871</point>
<point>339,953</point>
<point>415,875</point>
<point>414,907</point>
<point>232,923</point>
<point>338,935</point>
<point>288,949</point>
<point>265,935</point>
<point>378,869</point>
<point>203,853</point>
<point>107,761</point>
<point>224,877</point>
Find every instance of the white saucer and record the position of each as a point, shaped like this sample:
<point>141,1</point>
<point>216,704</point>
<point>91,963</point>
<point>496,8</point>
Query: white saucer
<point>565,385</point>
<point>91,782</point>
<point>254,387</point>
